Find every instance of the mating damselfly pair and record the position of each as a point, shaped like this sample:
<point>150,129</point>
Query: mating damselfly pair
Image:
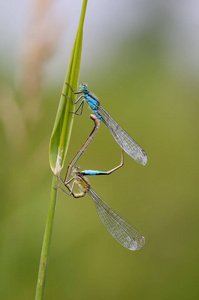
<point>126,234</point>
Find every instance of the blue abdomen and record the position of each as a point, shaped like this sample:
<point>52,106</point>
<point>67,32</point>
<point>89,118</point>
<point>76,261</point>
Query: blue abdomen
<point>93,172</point>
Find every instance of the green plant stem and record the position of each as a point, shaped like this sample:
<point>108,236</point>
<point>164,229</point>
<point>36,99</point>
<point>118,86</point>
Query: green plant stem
<point>58,148</point>
<point>46,241</point>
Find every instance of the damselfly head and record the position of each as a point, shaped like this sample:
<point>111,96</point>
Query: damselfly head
<point>75,170</point>
<point>83,87</point>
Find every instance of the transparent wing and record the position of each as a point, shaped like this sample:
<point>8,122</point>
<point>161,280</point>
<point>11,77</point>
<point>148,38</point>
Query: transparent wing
<point>127,235</point>
<point>122,138</point>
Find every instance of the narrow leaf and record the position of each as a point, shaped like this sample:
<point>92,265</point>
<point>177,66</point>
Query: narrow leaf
<point>64,120</point>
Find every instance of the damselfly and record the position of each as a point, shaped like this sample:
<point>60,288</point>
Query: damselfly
<point>124,233</point>
<point>122,138</point>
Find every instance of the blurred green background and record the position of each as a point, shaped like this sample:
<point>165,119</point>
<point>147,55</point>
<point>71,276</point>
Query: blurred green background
<point>145,74</point>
